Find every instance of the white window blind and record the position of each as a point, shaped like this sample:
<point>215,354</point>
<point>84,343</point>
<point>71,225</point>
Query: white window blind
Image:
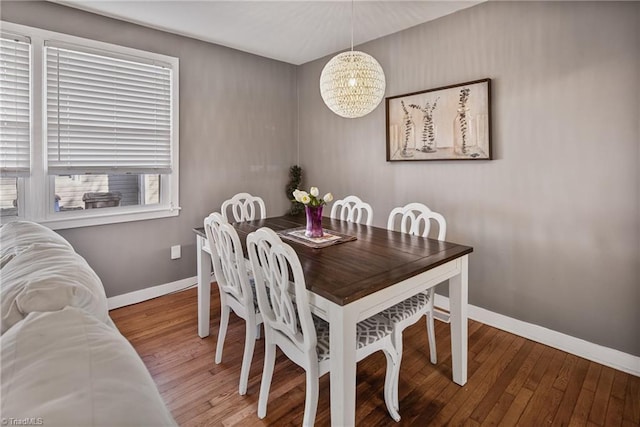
<point>106,113</point>
<point>15,134</point>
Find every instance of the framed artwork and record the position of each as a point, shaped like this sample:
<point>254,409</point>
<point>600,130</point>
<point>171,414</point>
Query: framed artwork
<point>446,123</point>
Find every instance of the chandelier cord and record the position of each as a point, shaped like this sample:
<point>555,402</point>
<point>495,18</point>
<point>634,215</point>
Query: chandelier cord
<point>352,83</point>
<point>352,7</point>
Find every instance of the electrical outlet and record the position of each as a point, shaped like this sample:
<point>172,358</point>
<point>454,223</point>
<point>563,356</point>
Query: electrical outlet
<point>175,252</point>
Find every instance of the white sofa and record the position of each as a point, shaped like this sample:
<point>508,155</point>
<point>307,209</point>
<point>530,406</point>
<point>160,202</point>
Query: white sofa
<point>64,363</point>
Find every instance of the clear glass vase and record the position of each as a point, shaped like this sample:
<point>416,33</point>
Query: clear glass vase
<point>314,221</point>
<point>409,136</point>
<point>462,133</point>
<point>468,131</point>
<point>428,136</point>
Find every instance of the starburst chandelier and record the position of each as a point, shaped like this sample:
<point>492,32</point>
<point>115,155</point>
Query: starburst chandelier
<point>352,83</point>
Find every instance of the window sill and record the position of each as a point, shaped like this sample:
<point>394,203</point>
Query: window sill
<point>61,221</point>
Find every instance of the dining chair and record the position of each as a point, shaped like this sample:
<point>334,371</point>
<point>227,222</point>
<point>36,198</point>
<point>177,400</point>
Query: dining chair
<point>302,336</point>
<point>352,209</point>
<point>237,289</point>
<point>414,219</point>
<point>244,207</point>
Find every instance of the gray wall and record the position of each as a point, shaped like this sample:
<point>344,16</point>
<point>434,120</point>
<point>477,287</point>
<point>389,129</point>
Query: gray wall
<point>555,219</point>
<point>237,133</point>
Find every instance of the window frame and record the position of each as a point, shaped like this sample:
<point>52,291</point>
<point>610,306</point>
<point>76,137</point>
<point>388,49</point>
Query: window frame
<point>36,192</point>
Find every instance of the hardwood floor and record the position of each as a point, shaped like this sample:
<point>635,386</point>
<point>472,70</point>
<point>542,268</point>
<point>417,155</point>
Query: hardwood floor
<point>512,380</point>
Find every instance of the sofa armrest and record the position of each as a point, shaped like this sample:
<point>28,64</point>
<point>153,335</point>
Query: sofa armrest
<point>69,369</point>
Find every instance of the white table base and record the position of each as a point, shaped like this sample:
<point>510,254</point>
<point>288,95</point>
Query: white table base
<point>343,319</point>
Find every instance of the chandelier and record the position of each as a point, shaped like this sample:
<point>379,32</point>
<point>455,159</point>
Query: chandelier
<point>352,83</point>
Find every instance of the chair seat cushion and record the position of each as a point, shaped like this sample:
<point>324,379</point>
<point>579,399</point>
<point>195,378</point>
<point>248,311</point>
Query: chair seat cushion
<point>252,282</point>
<point>407,308</point>
<point>368,331</point>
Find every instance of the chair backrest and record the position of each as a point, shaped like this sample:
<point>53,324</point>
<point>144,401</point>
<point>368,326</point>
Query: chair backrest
<point>285,309</point>
<point>244,207</point>
<point>351,209</point>
<point>415,219</point>
<point>227,257</point>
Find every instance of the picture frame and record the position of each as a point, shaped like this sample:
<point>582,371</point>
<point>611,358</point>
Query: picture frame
<point>446,123</point>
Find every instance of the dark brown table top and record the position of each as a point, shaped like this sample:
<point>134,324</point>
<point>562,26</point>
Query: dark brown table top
<point>348,271</point>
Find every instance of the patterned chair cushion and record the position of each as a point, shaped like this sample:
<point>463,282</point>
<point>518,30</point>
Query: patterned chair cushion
<point>368,331</point>
<point>252,282</point>
<point>406,308</point>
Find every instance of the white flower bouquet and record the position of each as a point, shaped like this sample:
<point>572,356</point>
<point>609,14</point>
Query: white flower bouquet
<point>311,198</point>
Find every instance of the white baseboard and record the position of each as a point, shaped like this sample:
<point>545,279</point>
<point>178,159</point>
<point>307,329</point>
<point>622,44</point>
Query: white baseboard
<point>606,356</point>
<point>150,293</point>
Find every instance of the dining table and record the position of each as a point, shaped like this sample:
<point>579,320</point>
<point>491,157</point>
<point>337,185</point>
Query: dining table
<point>366,271</point>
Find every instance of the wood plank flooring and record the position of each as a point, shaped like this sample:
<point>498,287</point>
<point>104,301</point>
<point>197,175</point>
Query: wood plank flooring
<point>512,380</point>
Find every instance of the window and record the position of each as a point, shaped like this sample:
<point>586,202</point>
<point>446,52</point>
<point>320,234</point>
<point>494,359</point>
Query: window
<point>15,117</point>
<point>103,121</point>
<point>78,192</point>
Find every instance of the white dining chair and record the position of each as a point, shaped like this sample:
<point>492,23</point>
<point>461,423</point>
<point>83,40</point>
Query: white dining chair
<point>414,219</point>
<point>237,290</point>
<point>244,207</point>
<point>303,337</point>
<point>352,209</point>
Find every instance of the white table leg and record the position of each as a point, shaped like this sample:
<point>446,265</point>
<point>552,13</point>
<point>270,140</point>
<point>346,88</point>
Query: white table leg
<point>204,287</point>
<point>458,297</point>
<point>342,343</point>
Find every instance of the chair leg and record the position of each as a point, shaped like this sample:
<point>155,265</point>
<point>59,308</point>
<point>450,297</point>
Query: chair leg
<point>267,374</point>
<point>431,334</point>
<point>397,344</point>
<point>311,398</point>
<point>391,383</point>
<point>222,333</point>
<point>257,332</point>
<point>249,345</point>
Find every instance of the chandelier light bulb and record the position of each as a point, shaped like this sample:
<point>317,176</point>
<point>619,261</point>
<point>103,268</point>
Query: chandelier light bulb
<point>352,84</point>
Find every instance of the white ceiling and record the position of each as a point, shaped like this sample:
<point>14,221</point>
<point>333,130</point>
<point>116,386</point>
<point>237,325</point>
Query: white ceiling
<point>291,31</point>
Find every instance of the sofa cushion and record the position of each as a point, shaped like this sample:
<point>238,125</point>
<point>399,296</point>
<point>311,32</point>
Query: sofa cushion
<point>16,236</point>
<point>47,277</point>
<point>69,369</point>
